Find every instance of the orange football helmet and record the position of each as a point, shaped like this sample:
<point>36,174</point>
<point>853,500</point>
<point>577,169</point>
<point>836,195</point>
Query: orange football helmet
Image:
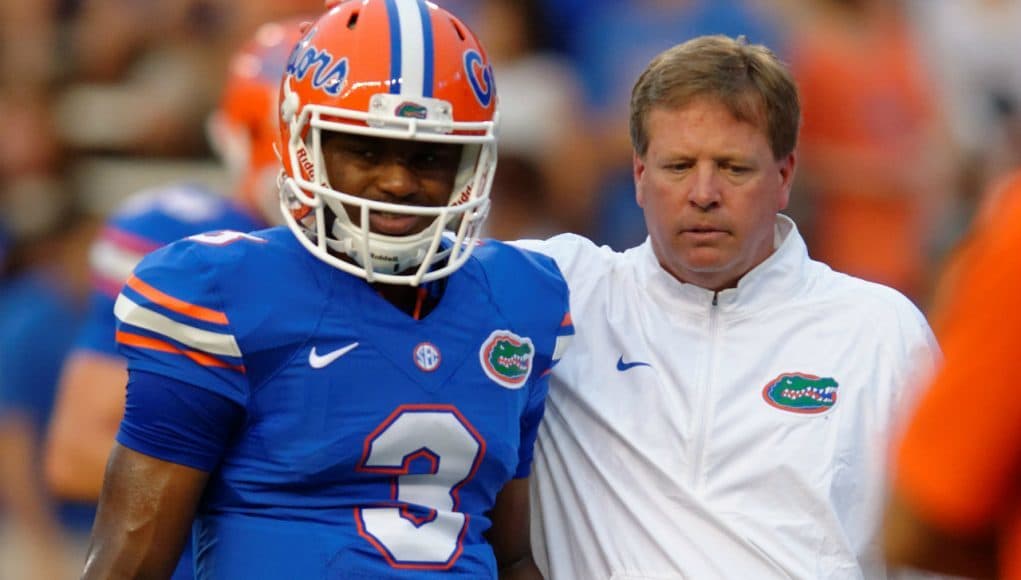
<point>397,69</point>
<point>243,130</point>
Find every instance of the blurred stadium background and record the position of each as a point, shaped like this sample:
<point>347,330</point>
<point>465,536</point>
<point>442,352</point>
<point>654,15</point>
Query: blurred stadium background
<point>911,116</point>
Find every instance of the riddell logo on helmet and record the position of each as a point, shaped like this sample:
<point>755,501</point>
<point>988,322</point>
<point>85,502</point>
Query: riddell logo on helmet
<point>306,165</point>
<point>465,195</point>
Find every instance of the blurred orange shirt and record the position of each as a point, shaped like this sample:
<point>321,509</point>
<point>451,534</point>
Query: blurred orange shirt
<point>866,105</point>
<point>959,465</point>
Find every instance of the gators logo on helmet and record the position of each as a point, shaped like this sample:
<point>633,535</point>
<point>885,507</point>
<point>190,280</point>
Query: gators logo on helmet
<point>801,393</point>
<point>328,73</point>
<point>480,76</point>
<point>507,358</point>
<point>411,110</point>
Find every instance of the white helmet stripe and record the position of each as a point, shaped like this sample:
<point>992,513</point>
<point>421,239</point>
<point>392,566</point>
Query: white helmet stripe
<point>412,45</point>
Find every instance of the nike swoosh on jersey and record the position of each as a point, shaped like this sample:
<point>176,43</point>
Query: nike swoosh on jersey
<point>623,366</point>
<point>318,361</point>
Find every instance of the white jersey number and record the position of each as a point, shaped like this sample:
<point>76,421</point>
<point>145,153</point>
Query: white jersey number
<point>223,238</point>
<point>430,536</point>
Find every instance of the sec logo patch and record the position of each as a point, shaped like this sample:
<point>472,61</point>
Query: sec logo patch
<point>427,357</point>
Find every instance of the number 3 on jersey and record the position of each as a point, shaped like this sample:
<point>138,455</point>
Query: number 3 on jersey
<point>423,530</point>
<point>224,238</point>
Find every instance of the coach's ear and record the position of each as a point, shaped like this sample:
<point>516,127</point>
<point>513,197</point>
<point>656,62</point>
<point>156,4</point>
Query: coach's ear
<point>638,171</point>
<point>785,173</point>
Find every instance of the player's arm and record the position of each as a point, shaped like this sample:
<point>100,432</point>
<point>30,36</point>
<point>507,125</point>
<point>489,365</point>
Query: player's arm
<point>172,436</point>
<point>90,403</point>
<point>185,401</point>
<point>909,540</point>
<point>509,535</point>
<point>145,513</point>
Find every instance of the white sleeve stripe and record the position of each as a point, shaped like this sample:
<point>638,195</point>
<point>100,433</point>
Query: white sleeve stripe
<point>112,261</point>
<point>214,343</point>
<point>561,346</point>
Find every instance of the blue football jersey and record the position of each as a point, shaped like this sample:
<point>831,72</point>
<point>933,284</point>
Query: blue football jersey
<point>144,222</point>
<point>373,444</point>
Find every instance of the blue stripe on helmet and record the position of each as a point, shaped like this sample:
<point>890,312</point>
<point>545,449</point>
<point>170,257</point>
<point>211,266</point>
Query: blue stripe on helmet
<point>395,47</point>
<point>427,37</point>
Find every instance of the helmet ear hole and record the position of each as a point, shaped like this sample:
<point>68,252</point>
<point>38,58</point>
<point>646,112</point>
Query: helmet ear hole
<point>352,21</point>
<point>458,29</point>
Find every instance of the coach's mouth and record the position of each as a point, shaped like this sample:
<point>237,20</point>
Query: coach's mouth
<point>704,233</point>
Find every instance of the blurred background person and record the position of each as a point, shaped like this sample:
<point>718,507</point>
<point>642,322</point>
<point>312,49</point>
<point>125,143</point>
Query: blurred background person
<point>92,385</point>
<point>41,306</point>
<point>546,178</point>
<point>147,73</point>
<point>937,83</point>
<point>957,261</point>
<point>42,299</point>
<point>28,43</point>
<point>877,162</point>
<point>33,294</point>
<point>970,49</point>
<point>955,494</point>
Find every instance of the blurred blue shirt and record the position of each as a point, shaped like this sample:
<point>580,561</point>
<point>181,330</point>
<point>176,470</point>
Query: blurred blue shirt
<point>38,324</point>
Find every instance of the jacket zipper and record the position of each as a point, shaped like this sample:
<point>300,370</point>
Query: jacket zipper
<point>705,388</point>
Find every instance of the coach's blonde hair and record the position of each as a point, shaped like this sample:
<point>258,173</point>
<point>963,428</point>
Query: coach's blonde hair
<point>748,79</point>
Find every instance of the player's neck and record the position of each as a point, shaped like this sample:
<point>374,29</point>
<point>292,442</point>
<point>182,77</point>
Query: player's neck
<point>416,302</point>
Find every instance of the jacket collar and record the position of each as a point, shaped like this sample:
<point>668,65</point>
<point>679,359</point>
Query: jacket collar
<point>779,276</point>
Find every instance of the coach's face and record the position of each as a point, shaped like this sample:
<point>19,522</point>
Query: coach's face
<point>710,189</point>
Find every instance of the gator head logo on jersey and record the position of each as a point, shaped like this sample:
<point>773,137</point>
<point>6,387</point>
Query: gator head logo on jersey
<point>507,358</point>
<point>801,393</point>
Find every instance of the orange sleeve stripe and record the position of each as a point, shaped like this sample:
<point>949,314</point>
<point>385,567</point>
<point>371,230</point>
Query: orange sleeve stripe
<point>179,306</point>
<point>567,320</point>
<point>161,346</point>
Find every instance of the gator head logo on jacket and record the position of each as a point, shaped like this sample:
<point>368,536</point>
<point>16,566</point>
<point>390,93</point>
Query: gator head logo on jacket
<point>507,358</point>
<point>801,393</point>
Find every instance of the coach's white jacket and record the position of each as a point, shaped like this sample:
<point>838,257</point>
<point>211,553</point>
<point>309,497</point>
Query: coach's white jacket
<point>740,434</point>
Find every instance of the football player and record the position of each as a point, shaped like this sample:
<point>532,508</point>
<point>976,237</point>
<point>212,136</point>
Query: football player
<point>354,395</point>
<point>244,130</point>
